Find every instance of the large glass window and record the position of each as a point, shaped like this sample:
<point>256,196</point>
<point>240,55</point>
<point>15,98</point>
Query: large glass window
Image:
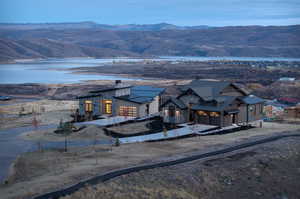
<point>214,114</point>
<point>107,106</point>
<point>202,113</point>
<point>128,111</point>
<point>88,105</point>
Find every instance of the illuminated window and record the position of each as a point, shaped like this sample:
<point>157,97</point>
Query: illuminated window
<point>214,114</point>
<point>202,113</point>
<point>166,112</point>
<point>177,113</point>
<point>107,106</point>
<point>128,111</point>
<point>88,105</point>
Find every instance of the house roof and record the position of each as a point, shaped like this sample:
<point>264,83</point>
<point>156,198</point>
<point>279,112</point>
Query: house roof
<point>175,101</point>
<point>252,99</point>
<point>87,96</point>
<point>142,94</point>
<point>148,91</point>
<point>223,104</point>
<point>136,99</point>
<point>208,90</point>
<point>109,89</point>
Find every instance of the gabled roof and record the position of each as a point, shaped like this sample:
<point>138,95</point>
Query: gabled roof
<point>109,89</point>
<point>176,102</point>
<point>252,99</point>
<point>215,86</point>
<point>223,102</point>
<point>87,96</point>
<point>210,89</point>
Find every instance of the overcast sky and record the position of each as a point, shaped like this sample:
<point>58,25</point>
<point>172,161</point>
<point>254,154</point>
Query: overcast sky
<point>179,12</point>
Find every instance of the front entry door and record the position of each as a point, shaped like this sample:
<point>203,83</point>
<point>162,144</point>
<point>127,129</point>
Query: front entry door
<point>233,116</point>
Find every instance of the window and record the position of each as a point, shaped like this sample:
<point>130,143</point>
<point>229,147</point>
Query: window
<point>166,112</point>
<point>107,106</point>
<point>128,111</point>
<point>88,105</point>
<point>214,114</point>
<point>147,109</point>
<point>202,113</point>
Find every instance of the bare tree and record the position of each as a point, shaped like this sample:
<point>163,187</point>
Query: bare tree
<point>35,124</point>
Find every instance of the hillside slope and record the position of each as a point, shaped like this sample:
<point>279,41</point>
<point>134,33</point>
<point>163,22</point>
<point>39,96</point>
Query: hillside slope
<point>269,171</point>
<point>248,41</point>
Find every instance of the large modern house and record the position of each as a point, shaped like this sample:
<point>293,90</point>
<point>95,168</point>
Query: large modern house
<point>215,103</point>
<point>121,100</point>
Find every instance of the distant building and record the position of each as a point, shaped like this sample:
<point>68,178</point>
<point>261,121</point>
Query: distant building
<point>122,100</point>
<point>292,112</point>
<point>273,110</point>
<point>215,103</point>
<point>288,101</point>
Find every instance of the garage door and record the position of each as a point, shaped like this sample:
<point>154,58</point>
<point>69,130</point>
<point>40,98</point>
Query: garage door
<point>128,111</point>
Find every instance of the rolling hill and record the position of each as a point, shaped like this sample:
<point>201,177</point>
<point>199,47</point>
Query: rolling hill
<point>246,41</point>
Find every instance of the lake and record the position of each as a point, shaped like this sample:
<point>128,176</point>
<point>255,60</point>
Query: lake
<point>57,70</point>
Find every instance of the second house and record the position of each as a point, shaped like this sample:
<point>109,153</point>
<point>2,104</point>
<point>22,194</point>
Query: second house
<point>121,99</point>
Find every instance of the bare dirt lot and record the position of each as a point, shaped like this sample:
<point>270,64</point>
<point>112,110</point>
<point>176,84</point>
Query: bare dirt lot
<point>91,132</point>
<point>45,111</point>
<point>39,172</point>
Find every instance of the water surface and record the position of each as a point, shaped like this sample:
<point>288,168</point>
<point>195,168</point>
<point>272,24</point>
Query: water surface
<point>49,71</point>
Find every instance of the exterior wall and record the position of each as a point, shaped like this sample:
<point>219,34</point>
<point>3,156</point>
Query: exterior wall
<point>96,105</point>
<point>142,110</point>
<point>81,106</point>
<point>255,112</point>
<point>292,112</point>
<point>154,105</point>
<point>122,92</point>
<point>180,115</point>
<point>242,115</point>
<point>250,113</point>
<point>231,91</point>
<point>227,120</point>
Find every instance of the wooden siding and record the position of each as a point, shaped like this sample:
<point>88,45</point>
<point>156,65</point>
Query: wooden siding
<point>180,116</point>
<point>154,105</point>
<point>122,92</point>
<point>177,119</point>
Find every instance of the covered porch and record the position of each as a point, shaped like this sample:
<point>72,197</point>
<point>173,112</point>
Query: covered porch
<point>216,117</point>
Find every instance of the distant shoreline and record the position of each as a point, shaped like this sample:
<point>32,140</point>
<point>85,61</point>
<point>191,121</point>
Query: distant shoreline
<point>163,57</point>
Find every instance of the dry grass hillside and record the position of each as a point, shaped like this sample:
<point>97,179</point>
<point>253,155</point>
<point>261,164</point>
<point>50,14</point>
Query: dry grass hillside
<point>270,171</point>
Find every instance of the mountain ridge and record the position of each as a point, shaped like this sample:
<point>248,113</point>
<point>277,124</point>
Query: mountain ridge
<point>93,25</point>
<point>243,41</point>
